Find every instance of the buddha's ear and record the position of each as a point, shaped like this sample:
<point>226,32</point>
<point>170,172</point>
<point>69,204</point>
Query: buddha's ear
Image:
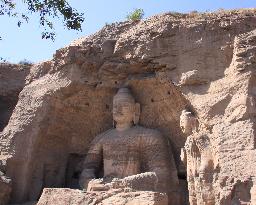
<point>136,117</point>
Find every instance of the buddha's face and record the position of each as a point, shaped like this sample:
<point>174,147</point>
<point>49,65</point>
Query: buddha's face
<point>123,110</point>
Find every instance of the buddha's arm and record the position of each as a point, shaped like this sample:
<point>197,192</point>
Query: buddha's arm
<point>92,162</point>
<point>158,159</point>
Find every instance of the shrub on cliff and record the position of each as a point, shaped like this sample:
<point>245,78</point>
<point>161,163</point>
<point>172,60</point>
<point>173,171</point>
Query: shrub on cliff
<point>25,62</point>
<point>135,15</point>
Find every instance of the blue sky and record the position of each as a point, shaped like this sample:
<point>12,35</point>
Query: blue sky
<point>26,43</point>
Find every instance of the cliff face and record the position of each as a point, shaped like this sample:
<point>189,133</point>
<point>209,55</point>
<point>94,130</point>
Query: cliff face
<point>204,63</point>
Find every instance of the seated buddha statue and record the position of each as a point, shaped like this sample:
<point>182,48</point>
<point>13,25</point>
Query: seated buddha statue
<point>129,149</point>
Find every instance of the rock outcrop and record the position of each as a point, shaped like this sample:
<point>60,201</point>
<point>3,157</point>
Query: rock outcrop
<point>71,196</point>
<point>202,63</point>
<point>126,191</point>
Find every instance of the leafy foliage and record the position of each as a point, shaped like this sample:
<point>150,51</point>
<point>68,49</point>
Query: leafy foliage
<point>47,10</point>
<point>25,62</point>
<point>3,60</point>
<point>135,15</point>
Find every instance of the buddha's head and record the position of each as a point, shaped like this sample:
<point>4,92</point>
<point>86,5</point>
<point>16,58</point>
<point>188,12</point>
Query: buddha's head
<point>125,110</point>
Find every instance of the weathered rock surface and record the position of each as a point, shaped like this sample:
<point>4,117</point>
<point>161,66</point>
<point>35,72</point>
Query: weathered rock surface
<point>202,63</point>
<point>74,197</point>
<point>130,190</point>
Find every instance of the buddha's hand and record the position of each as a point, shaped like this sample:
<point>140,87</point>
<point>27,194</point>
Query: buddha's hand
<point>86,176</point>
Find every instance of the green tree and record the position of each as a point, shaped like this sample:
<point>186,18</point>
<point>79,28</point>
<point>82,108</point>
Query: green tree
<point>25,62</point>
<point>135,15</point>
<point>47,10</point>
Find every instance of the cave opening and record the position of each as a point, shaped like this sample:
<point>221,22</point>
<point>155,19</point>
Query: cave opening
<point>7,106</point>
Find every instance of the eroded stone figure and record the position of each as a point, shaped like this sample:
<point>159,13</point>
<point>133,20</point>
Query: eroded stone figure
<point>198,158</point>
<point>129,149</point>
<point>188,122</point>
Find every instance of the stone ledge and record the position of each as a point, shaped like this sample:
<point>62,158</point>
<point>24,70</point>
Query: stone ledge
<point>65,196</point>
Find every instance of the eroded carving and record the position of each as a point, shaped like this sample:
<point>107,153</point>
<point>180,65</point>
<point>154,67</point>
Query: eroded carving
<point>188,122</point>
<point>129,149</point>
<point>139,182</point>
<point>198,158</point>
<point>242,193</point>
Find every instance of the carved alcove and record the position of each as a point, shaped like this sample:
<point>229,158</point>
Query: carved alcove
<point>77,113</point>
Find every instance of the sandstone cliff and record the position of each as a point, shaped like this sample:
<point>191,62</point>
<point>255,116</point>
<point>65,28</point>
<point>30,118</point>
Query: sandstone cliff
<point>201,62</point>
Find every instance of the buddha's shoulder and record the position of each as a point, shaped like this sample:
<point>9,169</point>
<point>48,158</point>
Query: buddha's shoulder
<point>147,132</point>
<point>104,134</point>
